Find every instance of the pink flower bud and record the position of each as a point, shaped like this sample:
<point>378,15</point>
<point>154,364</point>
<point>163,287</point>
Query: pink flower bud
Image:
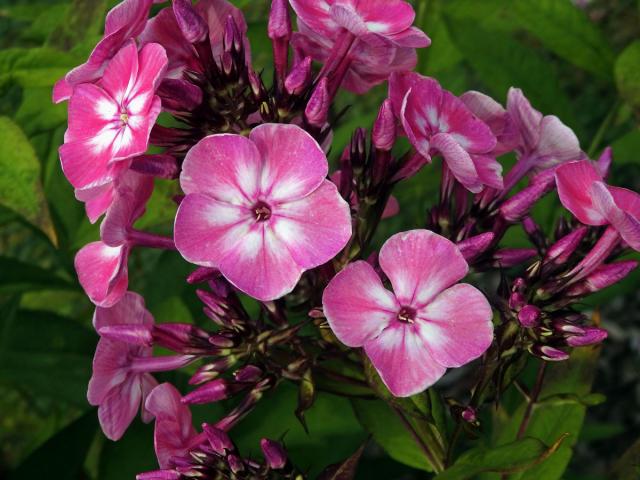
<point>517,301</point>
<point>607,275</point>
<point>192,25</point>
<point>248,374</point>
<point>473,247</point>
<point>214,391</point>
<point>560,251</point>
<point>279,20</point>
<point>317,111</point>
<point>159,475</point>
<point>299,78</point>
<point>529,316</point>
<point>179,95</point>
<point>202,274</point>
<point>548,353</point>
<point>235,463</point>
<point>469,415</point>
<point>384,131</point>
<point>590,336</point>
<point>510,257</point>
<point>274,453</point>
<point>518,206</point>
<point>218,439</point>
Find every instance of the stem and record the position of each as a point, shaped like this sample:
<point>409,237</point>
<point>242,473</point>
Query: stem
<point>436,463</point>
<point>604,126</point>
<point>150,240</point>
<point>533,398</point>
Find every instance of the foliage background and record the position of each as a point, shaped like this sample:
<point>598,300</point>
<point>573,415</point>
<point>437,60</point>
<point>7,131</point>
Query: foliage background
<point>583,65</point>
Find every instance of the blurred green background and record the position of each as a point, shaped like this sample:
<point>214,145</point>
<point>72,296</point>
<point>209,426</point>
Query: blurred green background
<point>582,64</point>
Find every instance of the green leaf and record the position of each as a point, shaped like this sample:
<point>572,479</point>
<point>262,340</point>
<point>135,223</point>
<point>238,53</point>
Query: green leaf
<point>509,458</point>
<point>20,187</point>
<point>627,74</point>
<point>500,61</point>
<point>628,467</point>
<point>626,148</point>
<point>130,455</point>
<point>567,31</point>
<point>17,276</point>
<point>34,67</point>
<point>62,456</point>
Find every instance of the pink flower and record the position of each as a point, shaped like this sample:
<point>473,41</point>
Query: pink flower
<point>368,20</point>
<point>124,22</point>
<point>260,209</point>
<point>102,266</point>
<point>111,121</point>
<point>425,326</point>
<point>583,192</point>
<point>174,434</point>
<point>121,380</point>
<point>437,122</point>
<point>164,29</point>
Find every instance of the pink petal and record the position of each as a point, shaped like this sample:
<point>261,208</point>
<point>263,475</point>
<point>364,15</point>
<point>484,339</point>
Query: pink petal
<point>625,224</point>
<point>62,90</point>
<point>206,230</point>
<point>357,306</point>
<point>421,264</point>
<point>152,67</point>
<point>471,133</point>
<point>416,126</point>
<point>489,171</point>
<point>91,110</point>
<point>294,163</point>
<point>399,84</point>
<point>574,181</point>
<point>133,139</point>
<point>316,15</point>
<point>129,15</point>
<point>110,369</point>
<point>458,160</point>
<point>85,163</point>
<point>627,200</point>
<point>526,119</point>
<point>147,384</point>
<point>225,167</point>
<point>456,325</point>
<point>345,16</point>
<point>215,13</point>
<point>102,272</point>
<point>403,361</point>
<point>261,265</point>
<point>411,37</point>
<point>381,16</point>
<point>392,208</point>
<point>129,310</point>
<point>119,408</point>
<point>315,228</point>
<point>558,143</point>
<point>121,73</point>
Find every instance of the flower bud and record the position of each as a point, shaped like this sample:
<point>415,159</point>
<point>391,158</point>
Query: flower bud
<point>529,316</point>
<point>160,475</point>
<point>384,131</point>
<point>517,301</point>
<point>590,336</point>
<point>158,165</point>
<point>248,374</point>
<point>235,463</point>
<point>279,21</point>
<point>218,439</point>
<point>191,24</point>
<point>518,206</point>
<point>274,454</point>
<point>213,391</point>
<point>548,353</point>
<point>299,78</point>
<point>560,252</point>
<point>469,415</point>
<point>607,275</point>
<point>202,274</point>
<point>510,257</point>
<point>473,247</point>
<point>603,164</point>
<point>317,111</point>
<point>179,95</point>
<point>212,370</point>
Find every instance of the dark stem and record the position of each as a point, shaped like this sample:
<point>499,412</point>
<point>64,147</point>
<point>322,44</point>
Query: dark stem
<point>533,398</point>
<point>433,460</point>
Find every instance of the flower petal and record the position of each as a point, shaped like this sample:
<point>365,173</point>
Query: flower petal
<point>226,167</point>
<point>110,364</point>
<point>294,163</point>
<point>456,325</point>
<point>381,16</point>
<point>457,120</point>
<point>316,15</point>
<point>574,181</point>
<point>625,224</point>
<point>420,264</point>
<point>119,408</point>
<point>558,143</point>
<point>357,306</point>
<point>206,230</point>
<point>121,73</point>
<point>403,360</point>
<point>314,228</point>
<point>129,310</point>
<point>458,160</point>
<point>526,118</point>
<point>102,272</point>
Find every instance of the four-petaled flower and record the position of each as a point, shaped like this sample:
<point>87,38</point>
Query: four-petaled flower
<point>437,122</point>
<point>425,326</point>
<point>583,192</point>
<point>260,209</point>
<point>110,122</point>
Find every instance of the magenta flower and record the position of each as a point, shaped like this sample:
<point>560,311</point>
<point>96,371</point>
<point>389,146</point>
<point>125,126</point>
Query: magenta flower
<point>164,29</point>
<point>425,326</point>
<point>368,20</point>
<point>111,121</point>
<point>124,22</point>
<point>121,380</point>
<point>260,209</point>
<point>437,122</point>
<point>102,266</point>
<point>583,192</point>
<point>174,434</point>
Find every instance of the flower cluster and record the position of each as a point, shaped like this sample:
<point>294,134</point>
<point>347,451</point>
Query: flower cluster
<point>262,216</point>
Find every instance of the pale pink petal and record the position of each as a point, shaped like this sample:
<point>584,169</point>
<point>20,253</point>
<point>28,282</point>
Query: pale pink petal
<point>121,73</point>
<point>403,360</point>
<point>316,15</point>
<point>421,264</point>
<point>345,16</point>
<point>147,384</point>
<point>411,37</point>
<point>458,160</point>
<point>484,107</point>
<point>118,409</point>
<point>315,228</point>
<point>457,120</point>
<point>260,264</point>
<point>129,310</point>
<point>489,171</point>
<point>110,369</point>
<point>294,165</point>
<point>225,167</point>
<point>574,181</point>
<point>456,326</point>
<point>627,200</point>
<point>416,126</point>
<point>102,272</point>
<point>558,143</point>
<point>526,119</point>
<point>91,110</point>
<point>133,139</point>
<point>357,306</point>
<point>206,230</point>
<point>625,224</point>
<point>381,16</point>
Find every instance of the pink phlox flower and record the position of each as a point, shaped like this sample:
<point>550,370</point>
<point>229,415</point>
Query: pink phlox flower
<point>111,121</point>
<point>437,122</point>
<point>583,192</point>
<point>426,325</point>
<point>260,209</point>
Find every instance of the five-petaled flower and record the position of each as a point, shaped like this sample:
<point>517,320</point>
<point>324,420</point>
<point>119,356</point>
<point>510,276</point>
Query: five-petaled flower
<point>426,325</point>
<point>583,192</point>
<point>260,209</point>
<point>437,122</point>
<point>110,122</point>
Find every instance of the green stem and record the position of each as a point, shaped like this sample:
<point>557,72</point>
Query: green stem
<point>533,398</point>
<point>604,126</point>
<point>434,460</point>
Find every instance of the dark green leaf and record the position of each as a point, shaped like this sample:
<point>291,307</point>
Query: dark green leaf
<point>627,73</point>
<point>344,470</point>
<point>18,276</point>
<point>628,467</point>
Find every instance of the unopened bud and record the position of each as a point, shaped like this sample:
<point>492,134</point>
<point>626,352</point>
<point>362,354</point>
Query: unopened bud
<point>548,353</point>
<point>589,336</point>
<point>248,374</point>
<point>529,316</point>
<point>317,111</point>
<point>561,251</point>
<point>191,24</point>
<point>517,301</point>
<point>603,164</point>
<point>235,463</point>
<point>274,454</point>
<point>384,131</point>
<point>299,78</point>
<point>469,415</point>
<point>510,257</point>
<point>279,20</point>
<point>607,275</point>
<point>218,439</point>
<point>212,370</point>
<point>473,247</point>
<point>213,391</point>
<point>519,206</point>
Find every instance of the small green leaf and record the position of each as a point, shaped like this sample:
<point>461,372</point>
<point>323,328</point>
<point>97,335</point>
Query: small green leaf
<point>627,73</point>
<point>344,470</point>
<point>20,186</point>
<point>306,397</point>
<point>509,458</point>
